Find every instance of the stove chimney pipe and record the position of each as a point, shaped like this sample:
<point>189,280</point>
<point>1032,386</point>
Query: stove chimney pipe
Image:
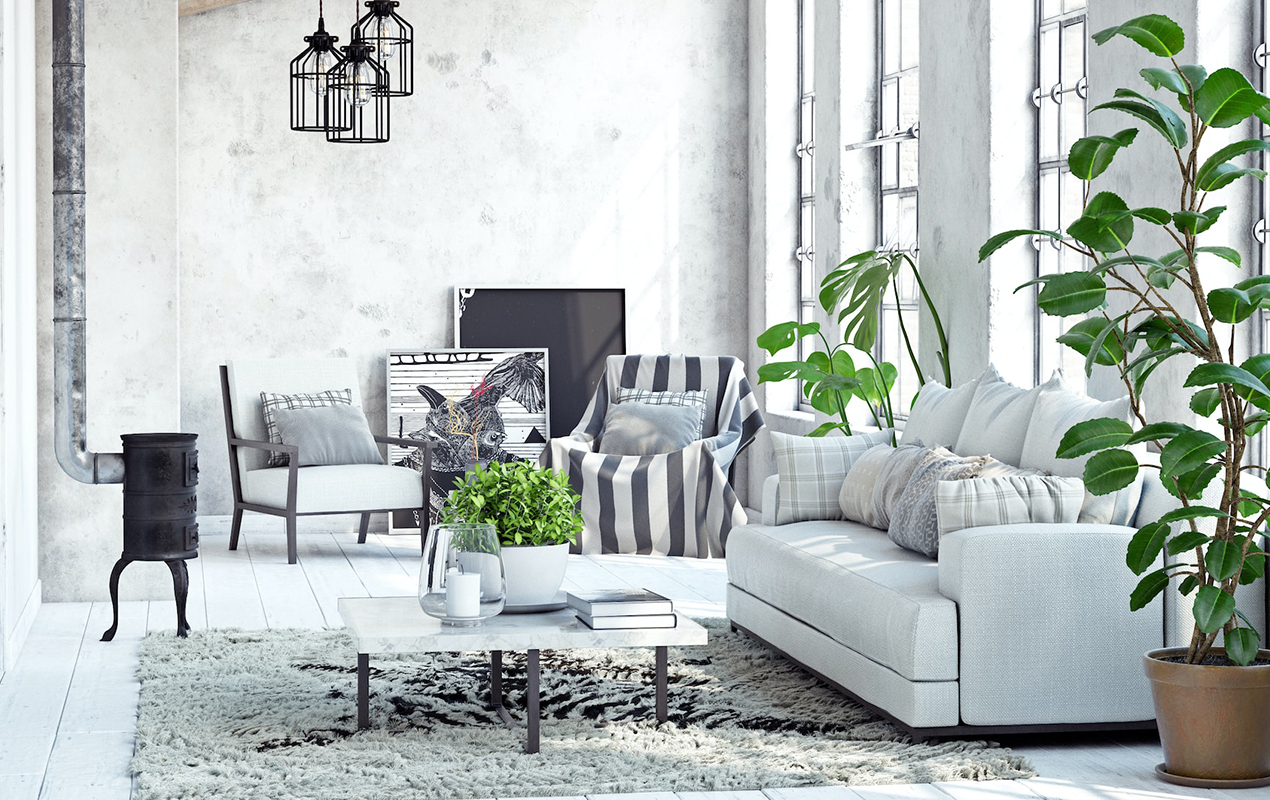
<point>70,435</point>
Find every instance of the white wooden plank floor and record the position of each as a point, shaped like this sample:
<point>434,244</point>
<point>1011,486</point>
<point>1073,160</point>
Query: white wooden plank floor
<point>68,708</point>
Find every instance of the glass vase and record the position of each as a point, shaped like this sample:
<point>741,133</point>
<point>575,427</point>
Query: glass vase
<point>461,578</point>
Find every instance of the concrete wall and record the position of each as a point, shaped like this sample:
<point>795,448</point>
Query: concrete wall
<point>585,143</point>
<point>132,289</point>
<point>19,578</point>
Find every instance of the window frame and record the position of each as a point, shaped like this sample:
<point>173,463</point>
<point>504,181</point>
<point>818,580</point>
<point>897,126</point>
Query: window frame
<point>805,151</point>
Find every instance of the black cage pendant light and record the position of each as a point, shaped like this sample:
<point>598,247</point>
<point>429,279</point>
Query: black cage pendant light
<point>356,98</point>
<point>309,81</point>
<point>393,39</point>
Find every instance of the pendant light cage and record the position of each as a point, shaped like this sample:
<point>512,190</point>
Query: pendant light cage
<point>310,83</point>
<point>393,39</point>
<point>356,99</point>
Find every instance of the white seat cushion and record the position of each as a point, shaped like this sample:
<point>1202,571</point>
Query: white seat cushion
<point>351,487</point>
<point>856,586</point>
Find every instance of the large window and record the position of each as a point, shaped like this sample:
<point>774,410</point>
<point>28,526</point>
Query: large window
<point>1060,100</point>
<point>806,150</point>
<point>897,180</point>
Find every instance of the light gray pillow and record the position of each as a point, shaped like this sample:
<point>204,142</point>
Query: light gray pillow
<point>1007,500</point>
<point>939,414</point>
<point>692,398</point>
<point>328,435</point>
<point>644,429</point>
<point>892,479</point>
<point>856,496</point>
<point>915,519</point>
<point>812,469</point>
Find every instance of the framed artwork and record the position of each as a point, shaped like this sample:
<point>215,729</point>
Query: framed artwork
<point>580,327</point>
<point>478,405</point>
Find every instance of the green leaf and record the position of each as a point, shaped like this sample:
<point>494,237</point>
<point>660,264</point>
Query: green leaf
<point>1106,224</point>
<point>1147,589</point>
<point>1223,560</point>
<point>1258,367</point>
<point>1205,401</point>
<point>1188,451</point>
<point>1249,284</point>
<point>1166,126</point>
<point>1089,157</point>
<point>1228,253</point>
<point>826,428</point>
<point>1186,541</point>
<point>995,243</point>
<point>1145,546</point>
<point>1226,174</point>
<point>1110,471</point>
<point>1152,214</point>
<point>1211,373</point>
<point>1188,584</point>
<point>780,370</point>
<point>1213,608</point>
<point>1241,645</point>
<point>1157,33</point>
<point>1192,512</point>
<point>1167,79</point>
<point>784,334</point>
<point>1082,337</point>
<point>1230,306</point>
<point>1093,435</point>
<point>1227,99</point>
<point>1194,74</point>
<point>1196,223</point>
<point>855,292</point>
<point>1193,483</point>
<point>1208,177</point>
<point>1071,293</point>
<point>1158,431</point>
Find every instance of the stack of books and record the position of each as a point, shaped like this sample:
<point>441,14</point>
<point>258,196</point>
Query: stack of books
<point>609,609</point>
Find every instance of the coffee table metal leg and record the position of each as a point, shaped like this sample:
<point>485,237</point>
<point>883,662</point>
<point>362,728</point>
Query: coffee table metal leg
<point>363,691</point>
<point>662,681</point>
<point>496,687</point>
<point>532,712</point>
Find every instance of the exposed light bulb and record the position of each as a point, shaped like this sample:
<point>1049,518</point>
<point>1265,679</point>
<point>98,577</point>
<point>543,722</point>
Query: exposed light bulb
<point>363,79</point>
<point>385,39</point>
<point>322,64</point>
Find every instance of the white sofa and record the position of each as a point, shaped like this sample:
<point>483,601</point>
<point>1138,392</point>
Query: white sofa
<point>1011,629</point>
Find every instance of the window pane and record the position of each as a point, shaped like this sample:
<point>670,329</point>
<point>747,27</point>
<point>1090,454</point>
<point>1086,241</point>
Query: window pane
<point>908,222</point>
<point>890,106</point>
<point>808,21</point>
<point>908,163</point>
<point>1049,110</point>
<point>908,101</point>
<point>1073,53</point>
<point>888,170</point>
<point>807,236</point>
<point>1049,196</point>
<point>1073,198</point>
<point>1073,5</point>
<point>807,160</point>
<point>891,36</point>
<point>908,35</point>
<point>890,221</point>
<point>1051,8</point>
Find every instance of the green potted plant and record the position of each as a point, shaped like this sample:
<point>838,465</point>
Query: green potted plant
<point>537,517</point>
<point>852,295</point>
<point>1211,701</point>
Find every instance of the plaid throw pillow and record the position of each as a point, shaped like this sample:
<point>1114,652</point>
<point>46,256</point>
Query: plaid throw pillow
<point>689,399</point>
<point>272,402</point>
<point>812,470</point>
<point>1007,500</point>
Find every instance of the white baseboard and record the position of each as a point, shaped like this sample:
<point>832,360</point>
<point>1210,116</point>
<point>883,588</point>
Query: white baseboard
<point>14,641</point>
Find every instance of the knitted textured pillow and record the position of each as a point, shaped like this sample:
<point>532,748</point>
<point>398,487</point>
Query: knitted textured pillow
<point>915,522</point>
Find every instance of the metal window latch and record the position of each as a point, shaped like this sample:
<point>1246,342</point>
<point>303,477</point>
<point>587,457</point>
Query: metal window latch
<point>1259,55</point>
<point>805,149</point>
<point>1259,230</point>
<point>1082,88</point>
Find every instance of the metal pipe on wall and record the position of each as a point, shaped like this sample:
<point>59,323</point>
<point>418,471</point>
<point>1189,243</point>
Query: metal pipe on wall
<point>70,409</point>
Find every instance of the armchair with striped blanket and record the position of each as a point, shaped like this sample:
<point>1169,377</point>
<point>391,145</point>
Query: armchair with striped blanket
<point>675,504</point>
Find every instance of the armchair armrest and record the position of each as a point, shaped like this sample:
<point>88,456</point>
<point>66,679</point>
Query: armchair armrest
<point>256,444</point>
<point>426,444</point>
<point>1045,631</point>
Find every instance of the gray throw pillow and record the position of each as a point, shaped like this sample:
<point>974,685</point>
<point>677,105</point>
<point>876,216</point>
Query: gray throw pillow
<point>915,520</point>
<point>328,435</point>
<point>643,429</point>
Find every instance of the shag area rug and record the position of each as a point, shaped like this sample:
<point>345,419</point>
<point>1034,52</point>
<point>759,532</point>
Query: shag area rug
<point>272,714</point>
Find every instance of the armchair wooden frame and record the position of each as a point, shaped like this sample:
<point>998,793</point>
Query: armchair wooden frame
<point>290,512</point>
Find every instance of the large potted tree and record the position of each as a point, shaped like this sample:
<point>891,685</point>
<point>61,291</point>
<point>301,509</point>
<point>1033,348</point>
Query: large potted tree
<point>536,514</point>
<point>1212,699</point>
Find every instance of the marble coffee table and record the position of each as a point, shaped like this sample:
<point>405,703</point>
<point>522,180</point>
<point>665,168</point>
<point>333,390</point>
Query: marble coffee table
<point>398,625</point>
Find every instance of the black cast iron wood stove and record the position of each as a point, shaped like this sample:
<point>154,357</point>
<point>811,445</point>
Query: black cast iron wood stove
<point>160,501</point>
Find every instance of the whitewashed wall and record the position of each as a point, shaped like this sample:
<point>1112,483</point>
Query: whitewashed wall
<point>585,143</point>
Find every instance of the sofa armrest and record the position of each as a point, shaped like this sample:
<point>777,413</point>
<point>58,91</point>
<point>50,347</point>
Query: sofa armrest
<point>771,498</point>
<point>1044,626</point>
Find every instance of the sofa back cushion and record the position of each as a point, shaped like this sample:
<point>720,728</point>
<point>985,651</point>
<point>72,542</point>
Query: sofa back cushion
<point>812,469</point>
<point>914,523</point>
<point>856,497</point>
<point>1055,412</point>
<point>997,419</point>
<point>937,416</point>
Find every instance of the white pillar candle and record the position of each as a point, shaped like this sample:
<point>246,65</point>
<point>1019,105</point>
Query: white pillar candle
<point>463,594</point>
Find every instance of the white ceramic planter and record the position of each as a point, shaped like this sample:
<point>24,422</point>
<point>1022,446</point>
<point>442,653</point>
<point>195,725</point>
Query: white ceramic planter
<point>534,574</point>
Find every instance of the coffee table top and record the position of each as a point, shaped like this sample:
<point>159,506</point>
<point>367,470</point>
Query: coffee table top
<point>398,625</point>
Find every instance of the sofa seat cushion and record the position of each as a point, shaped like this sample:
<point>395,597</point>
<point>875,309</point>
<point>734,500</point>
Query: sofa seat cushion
<point>350,487</point>
<point>856,586</point>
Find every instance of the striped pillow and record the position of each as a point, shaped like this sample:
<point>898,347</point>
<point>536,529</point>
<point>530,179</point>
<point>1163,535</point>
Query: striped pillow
<point>272,402</point>
<point>812,470</point>
<point>690,399</point>
<point>1007,500</point>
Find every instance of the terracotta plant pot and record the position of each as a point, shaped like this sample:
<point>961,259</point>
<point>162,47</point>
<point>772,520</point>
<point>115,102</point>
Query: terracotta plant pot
<point>1214,721</point>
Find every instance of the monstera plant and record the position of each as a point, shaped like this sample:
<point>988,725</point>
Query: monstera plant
<point>852,295</point>
<point>1172,314</point>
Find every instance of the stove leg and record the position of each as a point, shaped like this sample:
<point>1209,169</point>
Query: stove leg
<point>181,587</point>
<point>114,596</point>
